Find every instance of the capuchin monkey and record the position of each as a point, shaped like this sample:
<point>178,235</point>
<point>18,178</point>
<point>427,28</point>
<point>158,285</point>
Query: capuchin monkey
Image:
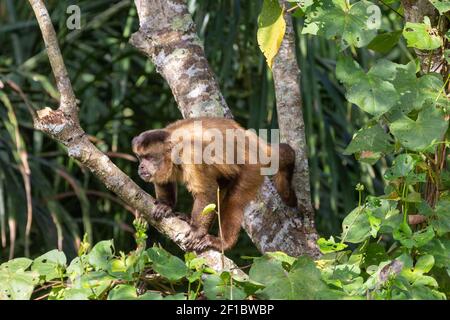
<point>206,154</point>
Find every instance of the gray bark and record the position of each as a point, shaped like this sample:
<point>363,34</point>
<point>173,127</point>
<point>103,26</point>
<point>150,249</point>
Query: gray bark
<point>286,75</point>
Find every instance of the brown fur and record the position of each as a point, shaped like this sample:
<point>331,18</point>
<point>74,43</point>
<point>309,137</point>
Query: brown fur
<point>239,183</point>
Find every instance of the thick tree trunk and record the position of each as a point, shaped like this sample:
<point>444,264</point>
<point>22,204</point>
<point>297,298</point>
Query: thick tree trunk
<point>286,75</point>
<point>168,37</point>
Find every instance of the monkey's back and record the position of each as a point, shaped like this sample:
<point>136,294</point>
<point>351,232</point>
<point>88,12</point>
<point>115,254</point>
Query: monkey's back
<point>225,158</point>
<point>207,123</point>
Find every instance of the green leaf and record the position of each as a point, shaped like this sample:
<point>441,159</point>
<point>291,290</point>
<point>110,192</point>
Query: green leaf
<point>447,55</point>
<point>337,19</point>
<point>96,281</point>
<point>167,265</point>
<point>209,208</point>
<point>413,91</point>
<point>439,248</point>
<point>327,246</point>
<point>413,196</point>
<point>281,256</point>
<point>356,226</point>
<point>76,267</point>
<point>423,236</point>
<point>101,254</point>
<point>441,221</point>
<point>117,266</point>
<point>50,265</point>
<point>373,92</point>
<point>384,42</point>
<point>373,95</point>
<point>344,276</point>
<point>271,29</point>
<point>348,71</point>
<point>374,223</point>
<point>424,263</point>
<point>430,86</point>
<point>177,296</point>
<point>415,276</point>
<point>403,234</point>
<point>374,255</point>
<point>419,135</point>
<point>16,265</point>
<point>218,287</point>
<point>409,239</point>
<point>18,284</point>
<point>303,281</point>
<point>341,275</point>
<point>402,166</point>
<point>422,35</point>
<point>420,292</point>
<point>414,178</point>
<point>370,139</point>
<point>77,294</point>
<point>442,5</point>
<point>249,286</point>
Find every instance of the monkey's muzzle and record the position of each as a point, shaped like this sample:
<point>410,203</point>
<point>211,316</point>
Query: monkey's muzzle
<point>146,176</point>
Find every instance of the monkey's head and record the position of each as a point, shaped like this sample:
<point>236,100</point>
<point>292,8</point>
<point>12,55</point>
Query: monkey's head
<point>153,151</point>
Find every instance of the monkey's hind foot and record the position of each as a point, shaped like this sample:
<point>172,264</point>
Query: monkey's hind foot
<point>197,240</point>
<point>202,243</point>
<point>161,210</point>
<point>289,198</point>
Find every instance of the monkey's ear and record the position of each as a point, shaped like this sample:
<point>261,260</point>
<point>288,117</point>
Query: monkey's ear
<point>148,138</point>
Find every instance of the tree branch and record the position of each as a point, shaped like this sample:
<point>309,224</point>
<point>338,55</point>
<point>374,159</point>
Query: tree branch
<point>286,75</point>
<point>68,100</point>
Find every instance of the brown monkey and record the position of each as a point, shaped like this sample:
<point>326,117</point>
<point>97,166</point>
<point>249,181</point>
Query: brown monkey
<point>168,156</point>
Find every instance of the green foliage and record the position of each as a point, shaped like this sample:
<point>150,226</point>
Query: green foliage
<point>409,122</point>
<point>343,21</point>
<point>168,266</point>
<point>422,36</point>
<point>421,134</point>
<point>384,42</point>
<point>442,5</point>
<point>154,274</point>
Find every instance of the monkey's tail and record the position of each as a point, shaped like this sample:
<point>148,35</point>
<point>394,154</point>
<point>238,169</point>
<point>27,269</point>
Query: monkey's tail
<point>283,178</point>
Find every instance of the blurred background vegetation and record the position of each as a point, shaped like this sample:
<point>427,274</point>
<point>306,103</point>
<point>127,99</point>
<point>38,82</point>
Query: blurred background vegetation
<point>121,95</point>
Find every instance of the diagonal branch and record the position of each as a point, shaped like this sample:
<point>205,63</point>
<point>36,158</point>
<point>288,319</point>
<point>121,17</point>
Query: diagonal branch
<point>68,100</point>
<point>63,125</point>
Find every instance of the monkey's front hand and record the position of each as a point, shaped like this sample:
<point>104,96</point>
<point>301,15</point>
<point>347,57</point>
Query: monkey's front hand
<point>160,210</point>
<point>197,240</point>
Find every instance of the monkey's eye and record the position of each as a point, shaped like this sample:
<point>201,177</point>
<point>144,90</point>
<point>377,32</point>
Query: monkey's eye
<point>149,157</point>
